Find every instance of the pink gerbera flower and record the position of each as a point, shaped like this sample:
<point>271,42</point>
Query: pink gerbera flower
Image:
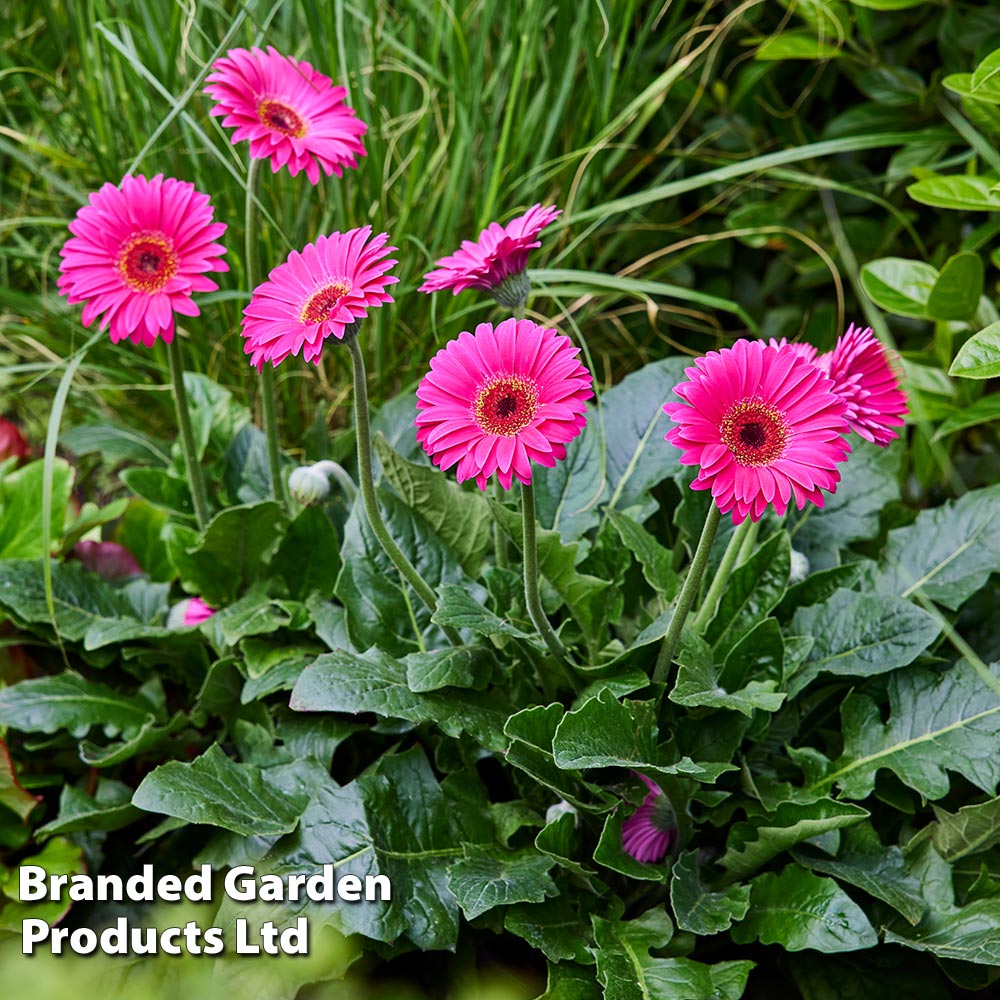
<point>192,611</point>
<point>137,254</point>
<point>864,378</point>
<point>764,424</point>
<point>12,442</point>
<point>649,831</point>
<point>107,559</point>
<point>291,113</point>
<point>498,400</point>
<point>316,294</point>
<point>806,351</point>
<point>496,261</point>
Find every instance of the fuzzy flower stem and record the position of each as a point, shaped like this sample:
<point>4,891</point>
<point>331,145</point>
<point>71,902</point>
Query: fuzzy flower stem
<point>685,599</point>
<point>721,579</point>
<point>499,539</point>
<point>529,555</point>
<point>267,388</point>
<point>191,463</point>
<point>363,431</point>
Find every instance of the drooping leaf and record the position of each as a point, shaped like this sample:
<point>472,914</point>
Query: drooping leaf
<point>971,830</point>
<point>656,561</point>
<point>798,910</point>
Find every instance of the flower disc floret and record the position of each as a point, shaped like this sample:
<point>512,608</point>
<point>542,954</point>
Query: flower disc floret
<point>292,114</point>
<point>137,254</point>
<point>500,399</point>
<point>319,292</point>
<point>764,425</point>
<point>496,261</point>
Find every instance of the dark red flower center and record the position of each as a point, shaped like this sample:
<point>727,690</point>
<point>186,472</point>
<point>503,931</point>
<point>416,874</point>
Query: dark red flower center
<point>281,118</point>
<point>147,261</point>
<point>754,431</point>
<point>323,303</point>
<point>506,404</point>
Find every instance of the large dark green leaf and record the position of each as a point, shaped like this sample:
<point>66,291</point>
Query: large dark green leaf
<point>696,907</point>
<point>552,927</point>
<point>567,495</point>
<point>21,508</point>
<point>308,558</point>
<point>109,808</point>
<point>971,830</point>
<point>487,877</point>
<point>861,635</point>
<point>939,722</point>
<point>798,910</point>
<point>656,561</point>
<point>115,444</point>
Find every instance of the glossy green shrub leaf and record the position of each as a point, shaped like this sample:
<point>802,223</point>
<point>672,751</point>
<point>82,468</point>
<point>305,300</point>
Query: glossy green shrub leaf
<point>979,356</point>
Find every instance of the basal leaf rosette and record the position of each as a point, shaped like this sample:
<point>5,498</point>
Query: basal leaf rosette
<point>319,292</point>
<point>763,424</point>
<point>292,114</point>
<point>138,253</point>
<point>500,399</point>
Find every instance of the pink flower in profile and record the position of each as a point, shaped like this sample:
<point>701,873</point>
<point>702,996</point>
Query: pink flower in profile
<point>192,611</point>
<point>291,113</point>
<point>649,831</point>
<point>496,261</point>
<point>763,424</point>
<point>317,293</point>
<point>863,377</point>
<point>137,254</point>
<point>498,400</point>
<point>107,559</point>
<point>12,442</point>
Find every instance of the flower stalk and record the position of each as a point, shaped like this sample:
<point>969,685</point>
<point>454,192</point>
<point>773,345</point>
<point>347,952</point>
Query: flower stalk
<point>689,591</point>
<point>267,386</point>
<point>194,473</point>
<point>743,537</point>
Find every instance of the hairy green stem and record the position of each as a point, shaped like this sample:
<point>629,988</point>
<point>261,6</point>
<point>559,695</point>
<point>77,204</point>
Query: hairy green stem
<point>692,582</point>
<point>267,387</point>
<point>721,579</point>
<point>529,556</point>
<point>366,482</point>
<point>191,463</point>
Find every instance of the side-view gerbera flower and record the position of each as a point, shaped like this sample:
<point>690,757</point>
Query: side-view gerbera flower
<point>498,400</point>
<point>648,833</point>
<point>190,611</point>
<point>496,261</point>
<point>292,114</point>
<point>107,559</point>
<point>317,293</point>
<point>864,378</point>
<point>137,254</point>
<point>763,424</point>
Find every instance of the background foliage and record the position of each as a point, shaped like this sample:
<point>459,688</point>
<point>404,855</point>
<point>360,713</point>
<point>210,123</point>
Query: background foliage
<point>775,168</point>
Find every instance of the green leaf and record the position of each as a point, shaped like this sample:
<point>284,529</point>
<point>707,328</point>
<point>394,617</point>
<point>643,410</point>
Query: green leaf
<point>988,92</point>
<point>218,791</point>
<point>627,971</point>
<point>12,794</point>
<point>971,830</point>
<point>753,590</point>
<point>798,910</point>
<point>141,532</point>
<point>899,286</point>
<point>656,561</point>
<point>982,411</point>
<point>109,808</point>
<point>487,877</point>
<point>938,722</point>
<point>955,295</point>
<point>459,609</point>
<point>947,553</point>
<point>567,495</point>
<point>634,425</point>
<point>215,415</point>
<point>460,666</point>
<point>308,558</point>
<point>552,927</point>
<point>798,44</point>
<point>377,682</point>
<point>753,843</point>
<point>987,70</point>
<point>958,191</point>
<point>604,732</point>
<point>115,444</point>
<point>67,701</point>
<point>888,4</point>
<point>696,908</point>
<point>610,852</point>
<point>21,510</point>
<point>460,518</point>
<point>160,488</point>
<point>58,857</point>
<point>571,982</point>
<point>860,635</point>
<point>234,551</point>
<point>979,356</point>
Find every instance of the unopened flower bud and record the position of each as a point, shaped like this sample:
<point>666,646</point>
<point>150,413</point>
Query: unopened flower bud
<point>192,611</point>
<point>799,567</point>
<point>308,485</point>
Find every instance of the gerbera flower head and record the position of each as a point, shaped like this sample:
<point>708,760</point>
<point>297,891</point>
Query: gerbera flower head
<point>863,376</point>
<point>499,399</point>
<point>319,292</point>
<point>649,831</point>
<point>107,559</point>
<point>496,261</point>
<point>804,350</point>
<point>137,254</point>
<point>191,611</point>
<point>12,442</point>
<point>763,424</point>
<point>292,114</point>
